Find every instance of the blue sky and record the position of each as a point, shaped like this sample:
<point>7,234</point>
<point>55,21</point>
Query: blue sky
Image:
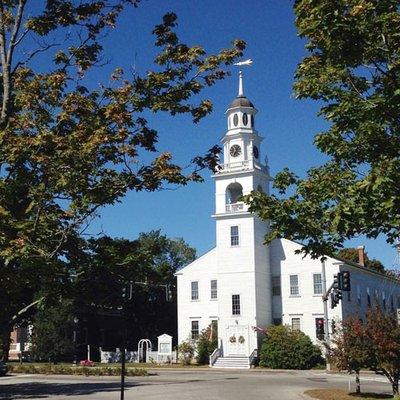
<point>288,125</point>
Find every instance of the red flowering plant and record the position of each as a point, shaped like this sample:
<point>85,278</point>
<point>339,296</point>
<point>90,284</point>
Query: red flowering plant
<point>86,363</point>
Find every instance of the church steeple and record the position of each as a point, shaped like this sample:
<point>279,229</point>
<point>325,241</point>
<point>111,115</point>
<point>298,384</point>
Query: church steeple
<point>241,170</point>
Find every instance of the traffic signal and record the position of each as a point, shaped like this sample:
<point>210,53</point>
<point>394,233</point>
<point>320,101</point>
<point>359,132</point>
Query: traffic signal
<point>127,291</point>
<point>336,282</point>
<point>320,328</point>
<point>346,287</point>
<point>168,293</point>
<point>334,302</point>
<point>336,296</point>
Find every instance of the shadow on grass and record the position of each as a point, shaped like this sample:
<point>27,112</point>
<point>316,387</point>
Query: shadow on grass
<point>43,390</point>
<point>371,396</point>
<point>37,390</point>
<point>336,394</point>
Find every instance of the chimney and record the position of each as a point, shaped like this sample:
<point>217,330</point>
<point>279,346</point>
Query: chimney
<point>361,255</point>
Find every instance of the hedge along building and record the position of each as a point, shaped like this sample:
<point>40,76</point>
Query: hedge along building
<point>242,283</point>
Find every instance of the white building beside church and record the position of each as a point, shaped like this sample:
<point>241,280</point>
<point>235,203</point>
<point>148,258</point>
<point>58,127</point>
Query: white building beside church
<point>242,283</point>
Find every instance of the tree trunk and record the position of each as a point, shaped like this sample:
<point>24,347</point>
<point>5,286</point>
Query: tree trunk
<point>5,341</point>
<point>358,385</point>
<point>395,388</point>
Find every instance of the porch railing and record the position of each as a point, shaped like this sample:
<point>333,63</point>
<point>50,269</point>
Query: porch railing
<point>214,355</point>
<point>253,357</point>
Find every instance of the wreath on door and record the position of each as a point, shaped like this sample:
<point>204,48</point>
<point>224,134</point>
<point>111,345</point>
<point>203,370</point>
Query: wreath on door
<point>241,339</point>
<point>232,339</point>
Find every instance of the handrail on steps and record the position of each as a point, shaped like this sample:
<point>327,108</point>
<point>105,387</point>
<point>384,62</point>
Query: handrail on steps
<point>253,356</point>
<point>214,355</point>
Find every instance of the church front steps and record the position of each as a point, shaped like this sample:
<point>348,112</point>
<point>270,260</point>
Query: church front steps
<point>232,362</point>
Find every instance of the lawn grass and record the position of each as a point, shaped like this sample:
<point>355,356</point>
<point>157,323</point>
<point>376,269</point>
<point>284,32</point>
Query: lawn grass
<point>336,394</point>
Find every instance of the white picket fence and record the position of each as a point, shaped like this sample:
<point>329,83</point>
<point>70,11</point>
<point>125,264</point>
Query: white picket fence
<point>133,357</point>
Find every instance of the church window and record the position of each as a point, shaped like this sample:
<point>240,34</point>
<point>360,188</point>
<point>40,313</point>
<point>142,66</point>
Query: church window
<point>245,119</point>
<point>317,278</point>
<point>214,289</point>
<point>294,285</point>
<point>236,304</point>
<point>296,324</point>
<point>234,235</point>
<point>276,285</point>
<point>235,120</point>
<point>195,329</point>
<point>251,120</point>
<point>195,290</point>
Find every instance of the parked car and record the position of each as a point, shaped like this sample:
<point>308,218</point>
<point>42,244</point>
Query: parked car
<point>3,368</point>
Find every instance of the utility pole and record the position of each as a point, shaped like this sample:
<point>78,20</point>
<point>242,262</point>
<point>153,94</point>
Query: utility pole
<point>127,296</point>
<point>341,283</point>
<point>326,322</point>
<point>123,355</point>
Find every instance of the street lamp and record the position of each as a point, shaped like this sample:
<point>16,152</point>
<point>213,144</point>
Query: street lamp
<point>76,320</point>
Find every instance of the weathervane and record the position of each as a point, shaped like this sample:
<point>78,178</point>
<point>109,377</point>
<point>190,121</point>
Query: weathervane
<point>247,63</point>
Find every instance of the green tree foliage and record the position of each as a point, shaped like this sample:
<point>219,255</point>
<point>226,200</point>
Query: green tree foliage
<point>107,265</point>
<point>103,269</point>
<point>352,68</point>
<point>349,349</point>
<point>51,338</point>
<point>351,254</point>
<point>186,352</point>
<point>67,149</point>
<point>206,343</point>
<point>284,348</point>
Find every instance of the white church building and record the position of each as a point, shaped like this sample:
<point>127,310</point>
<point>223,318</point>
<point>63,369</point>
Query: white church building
<point>243,284</point>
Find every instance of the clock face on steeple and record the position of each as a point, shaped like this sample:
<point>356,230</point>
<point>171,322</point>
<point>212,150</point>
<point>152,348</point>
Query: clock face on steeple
<point>235,150</point>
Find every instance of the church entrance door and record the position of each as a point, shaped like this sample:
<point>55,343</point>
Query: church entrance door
<point>237,340</point>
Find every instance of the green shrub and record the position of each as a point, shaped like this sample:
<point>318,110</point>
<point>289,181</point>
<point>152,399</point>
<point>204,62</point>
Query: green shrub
<point>206,344</point>
<point>60,369</point>
<point>284,348</point>
<point>186,352</point>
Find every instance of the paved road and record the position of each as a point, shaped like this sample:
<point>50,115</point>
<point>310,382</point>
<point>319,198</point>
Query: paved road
<point>181,385</point>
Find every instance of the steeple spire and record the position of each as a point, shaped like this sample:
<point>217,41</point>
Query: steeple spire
<point>240,92</point>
